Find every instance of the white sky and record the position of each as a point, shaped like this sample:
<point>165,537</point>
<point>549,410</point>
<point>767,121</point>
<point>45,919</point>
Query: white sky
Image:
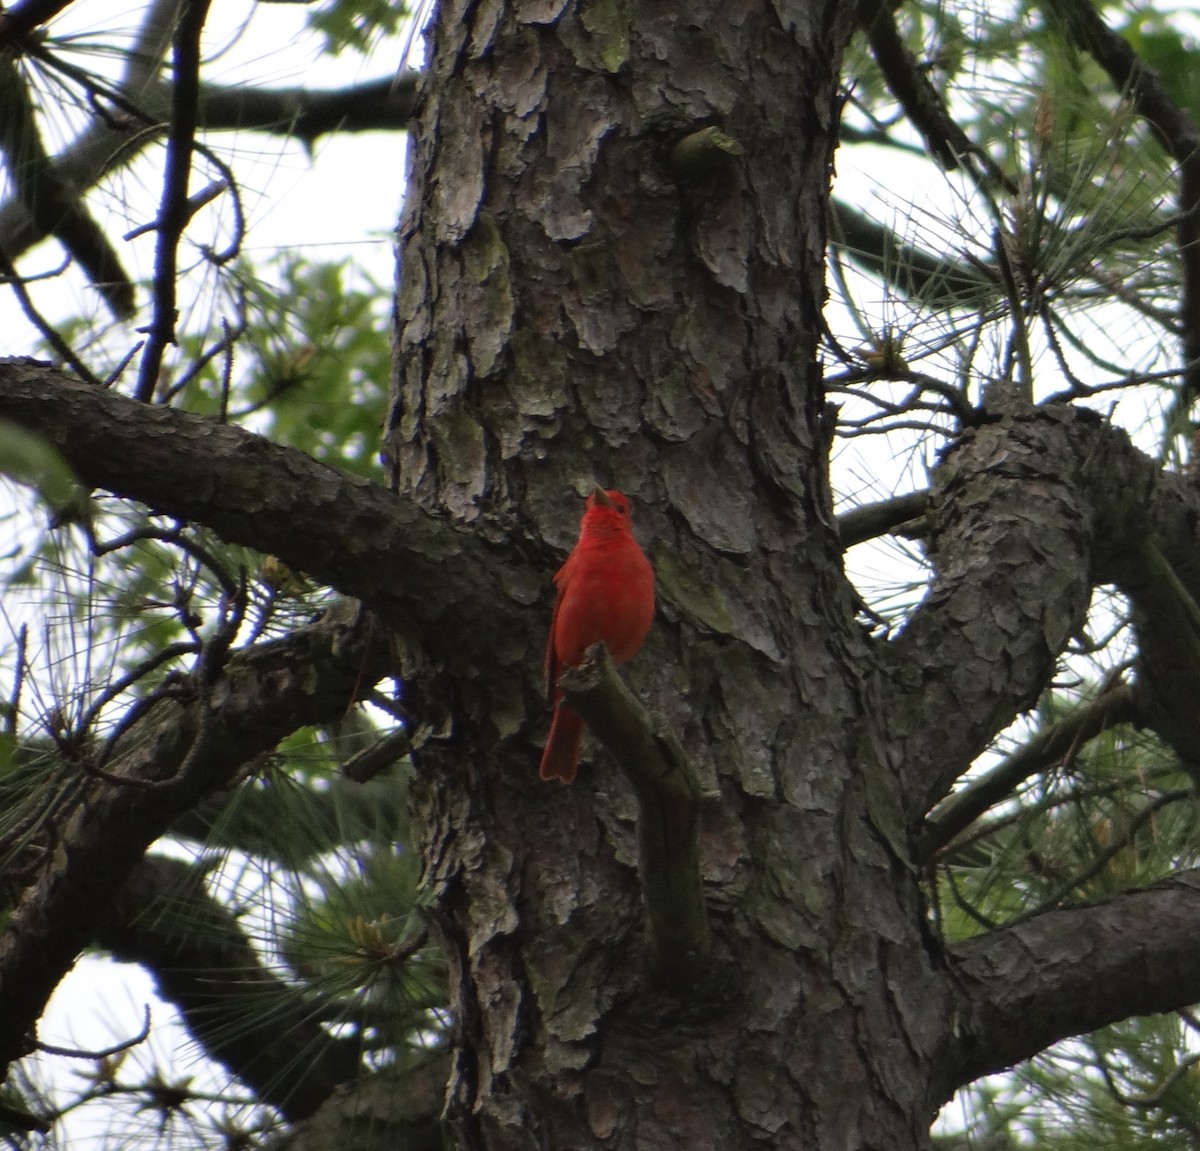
<point>342,201</point>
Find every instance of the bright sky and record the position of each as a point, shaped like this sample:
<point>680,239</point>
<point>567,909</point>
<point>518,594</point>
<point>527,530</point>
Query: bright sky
<point>343,201</point>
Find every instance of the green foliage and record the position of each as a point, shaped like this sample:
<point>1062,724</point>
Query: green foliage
<point>300,847</point>
<point>1126,1087</point>
<point>1156,37</point>
<point>357,25</point>
<point>298,806</point>
<point>312,362</point>
<point>361,942</point>
<point>1115,814</point>
<point>29,460</point>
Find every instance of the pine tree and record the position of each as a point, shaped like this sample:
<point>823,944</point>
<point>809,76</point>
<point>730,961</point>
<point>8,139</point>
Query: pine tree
<point>884,319</point>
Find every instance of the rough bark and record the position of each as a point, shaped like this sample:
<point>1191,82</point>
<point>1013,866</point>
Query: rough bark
<point>571,309</point>
<point>574,306</point>
<point>804,928</point>
<point>1071,971</point>
<point>427,580</point>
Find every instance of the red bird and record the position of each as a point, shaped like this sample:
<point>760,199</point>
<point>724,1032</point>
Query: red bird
<point>605,592</point>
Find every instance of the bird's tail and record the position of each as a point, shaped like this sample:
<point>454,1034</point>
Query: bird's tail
<point>560,760</point>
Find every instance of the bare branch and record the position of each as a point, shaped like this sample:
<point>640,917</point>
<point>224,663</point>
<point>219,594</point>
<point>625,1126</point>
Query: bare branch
<point>1180,135</point>
<point>872,520</point>
<point>306,114</point>
<point>957,813</point>
<point>174,212</point>
<point>27,15</point>
<point>945,140</point>
<point>50,199</point>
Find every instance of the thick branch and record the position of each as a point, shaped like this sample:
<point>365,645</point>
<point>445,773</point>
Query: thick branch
<point>1156,563</point>
<point>1167,621</point>
<point>257,1025</point>
<point>1069,972</point>
<point>1012,522</point>
<point>424,577</point>
<point>1029,515</point>
<point>180,749</point>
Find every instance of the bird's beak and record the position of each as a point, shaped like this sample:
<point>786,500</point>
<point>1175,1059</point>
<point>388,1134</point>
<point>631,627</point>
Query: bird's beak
<point>600,497</point>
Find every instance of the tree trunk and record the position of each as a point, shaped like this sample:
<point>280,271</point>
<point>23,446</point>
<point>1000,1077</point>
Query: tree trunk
<point>590,291</point>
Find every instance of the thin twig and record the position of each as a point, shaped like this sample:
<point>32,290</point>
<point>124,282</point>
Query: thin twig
<point>174,211</point>
<point>957,812</point>
<point>50,334</point>
<point>1147,814</point>
<point>175,538</point>
<point>14,699</point>
<point>1180,135</point>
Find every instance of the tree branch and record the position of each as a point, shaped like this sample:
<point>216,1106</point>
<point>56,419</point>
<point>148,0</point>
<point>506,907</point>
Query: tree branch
<point>25,16</point>
<point>1011,585</point>
<point>1181,137</point>
<point>1071,971</point>
<point>174,212</point>
<point>307,114</point>
<point>259,1027</point>
<point>869,521</point>
<point>923,105</point>
<point>53,204</point>
<point>668,799</point>
<point>425,578</point>
<point>177,751</point>
<point>962,808</point>
<point>1028,515</point>
<point>937,281</point>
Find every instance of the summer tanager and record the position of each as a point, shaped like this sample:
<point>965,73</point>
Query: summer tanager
<point>605,592</point>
